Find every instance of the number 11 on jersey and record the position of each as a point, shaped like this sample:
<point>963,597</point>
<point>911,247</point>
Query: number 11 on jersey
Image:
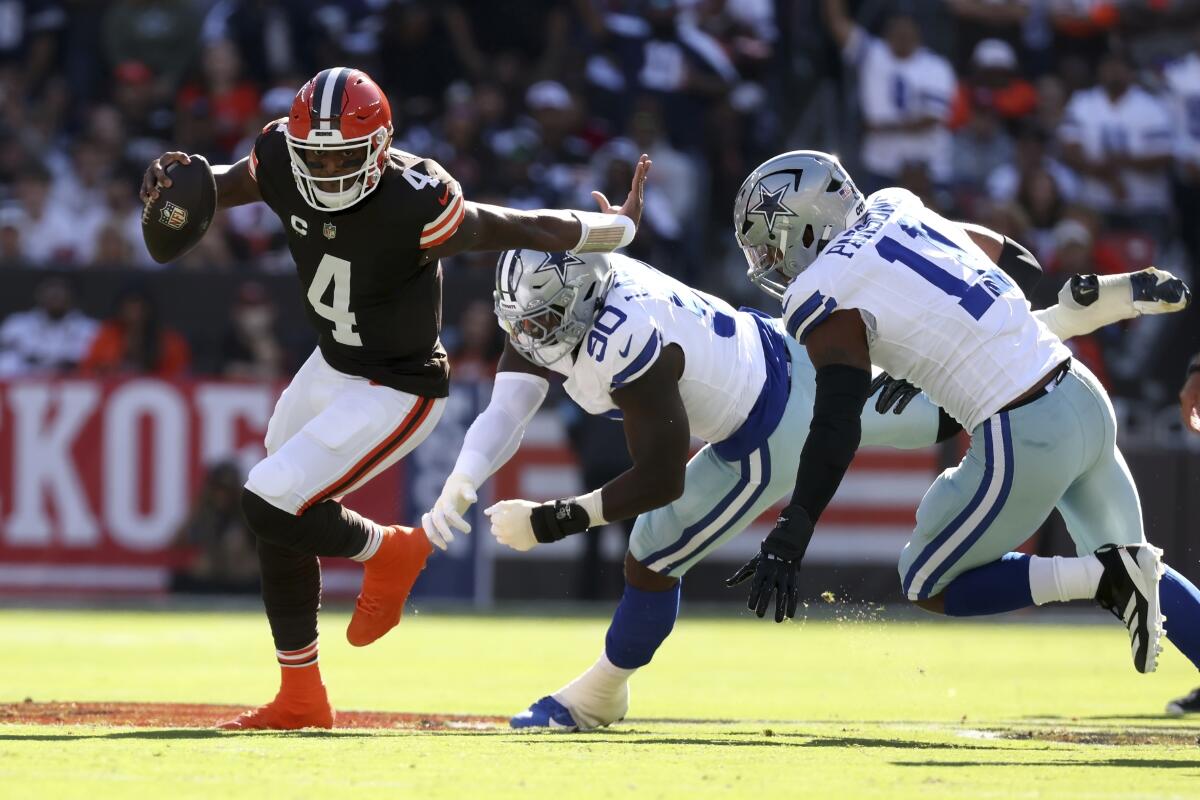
<point>335,270</point>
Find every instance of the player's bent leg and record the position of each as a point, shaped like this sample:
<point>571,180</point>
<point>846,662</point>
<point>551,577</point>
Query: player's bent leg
<point>599,697</point>
<point>959,561</point>
<point>363,430</point>
<point>720,499</point>
<point>1103,515</point>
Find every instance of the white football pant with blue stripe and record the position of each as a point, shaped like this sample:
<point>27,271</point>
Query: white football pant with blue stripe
<point>1058,451</point>
<point>722,498</point>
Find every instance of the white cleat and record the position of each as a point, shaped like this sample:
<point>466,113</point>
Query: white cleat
<point>1129,589</point>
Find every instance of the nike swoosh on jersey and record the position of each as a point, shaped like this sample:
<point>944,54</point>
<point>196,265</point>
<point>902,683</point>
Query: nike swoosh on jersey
<point>625,352</point>
<point>445,198</point>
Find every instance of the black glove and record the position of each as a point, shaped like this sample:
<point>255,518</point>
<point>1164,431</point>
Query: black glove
<point>776,567</point>
<point>1147,289</point>
<point>895,392</point>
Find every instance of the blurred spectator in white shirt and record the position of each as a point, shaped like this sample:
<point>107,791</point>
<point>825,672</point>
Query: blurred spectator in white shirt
<point>50,338</point>
<point>905,92</point>
<point>1031,155</point>
<point>54,234</point>
<point>1119,138</point>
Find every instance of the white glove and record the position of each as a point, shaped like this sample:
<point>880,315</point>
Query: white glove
<point>439,522</point>
<point>511,524</point>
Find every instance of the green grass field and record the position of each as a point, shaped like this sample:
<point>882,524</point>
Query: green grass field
<point>732,707</point>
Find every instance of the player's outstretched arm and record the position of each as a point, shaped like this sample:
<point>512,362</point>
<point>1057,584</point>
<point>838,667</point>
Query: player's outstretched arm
<point>487,227</point>
<point>518,392</point>
<point>1088,302</point>
<point>838,349</point>
<point>235,185</point>
<point>657,434</point>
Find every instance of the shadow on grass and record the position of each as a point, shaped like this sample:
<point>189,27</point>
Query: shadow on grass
<point>1102,717</point>
<point>742,739</point>
<point>1136,763</point>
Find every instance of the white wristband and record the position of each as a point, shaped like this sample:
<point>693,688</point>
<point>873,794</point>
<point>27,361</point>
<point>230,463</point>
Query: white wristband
<point>594,507</point>
<point>602,233</point>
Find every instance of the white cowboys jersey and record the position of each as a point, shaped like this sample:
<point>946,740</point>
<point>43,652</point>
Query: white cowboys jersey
<point>938,312</point>
<point>644,310</point>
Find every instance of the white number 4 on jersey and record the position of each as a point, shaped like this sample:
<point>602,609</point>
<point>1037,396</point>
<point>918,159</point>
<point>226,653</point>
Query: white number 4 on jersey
<point>335,270</point>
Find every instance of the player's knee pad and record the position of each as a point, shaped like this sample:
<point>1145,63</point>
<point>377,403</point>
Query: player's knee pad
<point>268,522</point>
<point>275,480</point>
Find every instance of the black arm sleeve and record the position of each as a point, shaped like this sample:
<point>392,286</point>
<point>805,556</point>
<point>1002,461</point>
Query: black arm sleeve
<point>1020,265</point>
<point>833,436</point>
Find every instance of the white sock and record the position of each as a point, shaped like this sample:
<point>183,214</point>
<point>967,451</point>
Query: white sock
<point>1059,579</point>
<point>374,539</point>
<point>599,696</point>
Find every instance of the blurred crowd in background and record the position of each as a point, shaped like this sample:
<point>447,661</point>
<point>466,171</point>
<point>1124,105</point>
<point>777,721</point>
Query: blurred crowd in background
<point>1070,125</point>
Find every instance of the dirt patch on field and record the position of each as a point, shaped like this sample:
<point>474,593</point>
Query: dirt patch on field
<point>194,715</point>
<point>1181,737</point>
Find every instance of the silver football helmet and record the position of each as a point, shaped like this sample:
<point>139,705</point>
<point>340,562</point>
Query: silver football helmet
<point>546,302</point>
<point>787,210</point>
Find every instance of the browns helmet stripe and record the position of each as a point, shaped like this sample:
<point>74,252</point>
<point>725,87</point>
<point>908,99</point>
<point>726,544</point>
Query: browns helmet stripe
<point>327,98</point>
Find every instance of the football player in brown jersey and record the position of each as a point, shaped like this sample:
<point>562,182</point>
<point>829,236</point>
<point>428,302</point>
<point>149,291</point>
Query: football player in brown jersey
<point>366,225</point>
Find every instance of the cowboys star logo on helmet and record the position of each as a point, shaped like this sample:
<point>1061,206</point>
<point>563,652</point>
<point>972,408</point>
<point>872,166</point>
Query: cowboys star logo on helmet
<point>559,262</point>
<point>547,321</point>
<point>787,210</point>
<point>770,204</point>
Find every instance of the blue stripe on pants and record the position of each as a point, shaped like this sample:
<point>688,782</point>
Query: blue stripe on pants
<point>764,481</point>
<point>985,523</point>
<point>989,471</point>
<point>690,531</point>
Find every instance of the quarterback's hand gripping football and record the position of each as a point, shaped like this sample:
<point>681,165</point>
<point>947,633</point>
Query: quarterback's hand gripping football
<point>512,524</point>
<point>775,569</point>
<point>633,202</point>
<point>446,516</point>
<point>894,393</point>
<point>156,174</point>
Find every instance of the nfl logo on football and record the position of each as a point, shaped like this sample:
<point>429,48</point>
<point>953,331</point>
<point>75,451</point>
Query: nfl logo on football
<point>173,216</point>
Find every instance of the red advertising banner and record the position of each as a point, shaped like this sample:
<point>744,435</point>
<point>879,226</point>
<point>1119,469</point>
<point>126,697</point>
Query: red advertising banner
<point>96,477</point>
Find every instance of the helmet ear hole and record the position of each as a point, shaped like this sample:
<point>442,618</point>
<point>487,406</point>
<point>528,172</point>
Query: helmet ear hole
<point>809,237</point>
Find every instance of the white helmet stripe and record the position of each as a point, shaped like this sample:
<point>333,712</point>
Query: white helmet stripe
<point>329,90</point>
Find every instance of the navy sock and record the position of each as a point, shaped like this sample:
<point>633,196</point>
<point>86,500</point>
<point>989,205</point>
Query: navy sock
<point>1180,601</point>
<point>642,621</point>
<point>991,589</point>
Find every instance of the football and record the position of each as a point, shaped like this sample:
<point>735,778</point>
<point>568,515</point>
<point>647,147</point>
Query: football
<point>173,223</point>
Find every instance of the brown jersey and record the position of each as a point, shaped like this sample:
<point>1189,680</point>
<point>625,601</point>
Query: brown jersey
<point>377,308</point>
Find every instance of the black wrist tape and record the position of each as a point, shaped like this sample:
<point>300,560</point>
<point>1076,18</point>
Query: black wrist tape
<point>558,520</point>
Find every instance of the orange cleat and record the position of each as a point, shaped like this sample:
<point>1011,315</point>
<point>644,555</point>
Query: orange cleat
<point>388,577</point>
<point>301,703</point>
